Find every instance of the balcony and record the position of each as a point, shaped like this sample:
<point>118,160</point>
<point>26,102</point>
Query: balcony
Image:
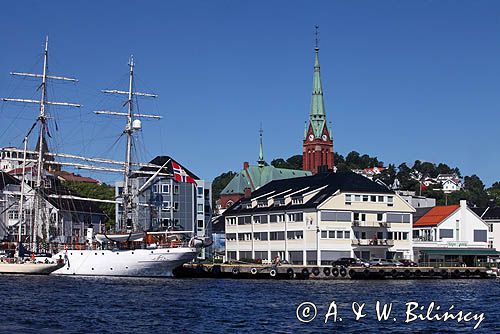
<point>373,242</point>
<point>371,224</point>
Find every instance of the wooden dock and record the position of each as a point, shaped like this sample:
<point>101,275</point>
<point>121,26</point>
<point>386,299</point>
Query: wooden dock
<point>287,271</point>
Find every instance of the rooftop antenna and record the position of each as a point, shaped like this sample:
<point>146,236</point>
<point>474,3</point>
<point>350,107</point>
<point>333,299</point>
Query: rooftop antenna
<point>42,119</point>
<point>131,126</point>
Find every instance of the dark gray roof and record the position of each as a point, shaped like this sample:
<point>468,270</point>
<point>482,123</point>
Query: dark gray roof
<point>490,213</point>
<point>346,182</point>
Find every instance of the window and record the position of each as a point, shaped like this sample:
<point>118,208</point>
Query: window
<point>331,234</point>
<point>359,217</point>
<point>405,235</point>
<point>347,234</point>
<point>380,217</point>
<point>373,198</point>
<point>339,216</point>
<point>390,201</point>
<point>165,188</point>
<point>445,233</point>
<point>260,219</point>
<point>291,235</point>
<point>324,234</point>
<point>165,205</point>
<point>200,191</point>
<point>13,214</point>
<point>176,189</point>
<point>276,235</point>
<point>277,218</point>
<point>200,223</point>
<point>279,201</point>
<point>260,236</point>
<point>200,208</point>
<point>176,206</point>
<point>490,227</point>
<point>381,198</point>
<point>156,188</point>
<point>262,204</point>
<point>397,218</point>
<point>231,236</point>
<point>340,234</point>
<point>231,221</point>
<point>480,235</point>
<point>389,235</point>
<point>348,198</point>
<point>296,217</point>
<point>244,220</point>
<point>357,198</point>
<point>297,200</point>
<point>244,236</point>
<point>365,198</point>
<point>380,235</point>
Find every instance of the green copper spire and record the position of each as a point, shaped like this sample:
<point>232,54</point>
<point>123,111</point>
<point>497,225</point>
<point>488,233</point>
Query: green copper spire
<point>261,161</point>
<point>317,115</point>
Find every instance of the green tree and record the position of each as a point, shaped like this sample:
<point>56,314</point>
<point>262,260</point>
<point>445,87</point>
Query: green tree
<point>295,162</point>
<point>98,191</point>
<point>280,163</point>
<point>494,193</point>
<point>219,183</point>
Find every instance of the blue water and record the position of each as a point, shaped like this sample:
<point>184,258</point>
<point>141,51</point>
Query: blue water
<point>48,304</point>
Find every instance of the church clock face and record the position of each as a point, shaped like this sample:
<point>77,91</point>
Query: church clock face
<point>311,137</point>
<point>324,137</point>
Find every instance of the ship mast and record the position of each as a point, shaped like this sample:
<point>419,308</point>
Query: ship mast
<point>127,196</point>
<point>42,120</point>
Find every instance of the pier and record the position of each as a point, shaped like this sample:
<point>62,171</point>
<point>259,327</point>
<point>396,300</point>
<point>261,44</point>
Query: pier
<point>259,271</point>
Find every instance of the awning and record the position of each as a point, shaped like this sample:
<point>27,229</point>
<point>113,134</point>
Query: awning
<point>462,251</point>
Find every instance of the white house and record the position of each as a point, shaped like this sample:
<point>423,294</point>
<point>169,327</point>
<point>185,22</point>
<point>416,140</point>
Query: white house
<point>451,235</point>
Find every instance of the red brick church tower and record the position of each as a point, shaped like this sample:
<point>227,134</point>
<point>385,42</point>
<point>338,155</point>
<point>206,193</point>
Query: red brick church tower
<point>318,140</point>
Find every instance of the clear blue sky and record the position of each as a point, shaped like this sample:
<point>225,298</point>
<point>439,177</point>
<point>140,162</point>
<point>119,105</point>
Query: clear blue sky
<point>403,80</point>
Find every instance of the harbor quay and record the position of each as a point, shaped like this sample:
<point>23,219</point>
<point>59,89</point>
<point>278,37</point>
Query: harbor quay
<point>289,271</point>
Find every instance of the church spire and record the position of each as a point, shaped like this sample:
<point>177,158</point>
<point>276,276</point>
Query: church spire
<point>261,161</point>
<point>317,115</point>
<point>317,149</point>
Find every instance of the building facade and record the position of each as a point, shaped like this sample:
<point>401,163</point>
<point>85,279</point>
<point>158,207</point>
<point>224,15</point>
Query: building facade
<point>318,219</point>
<point>317,147</point>
<point>169,202</point>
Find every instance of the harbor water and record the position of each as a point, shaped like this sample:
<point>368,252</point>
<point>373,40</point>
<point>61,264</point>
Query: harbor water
<point>50,304</point>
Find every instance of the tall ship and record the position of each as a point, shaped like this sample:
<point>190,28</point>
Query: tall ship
<point>130,248</point>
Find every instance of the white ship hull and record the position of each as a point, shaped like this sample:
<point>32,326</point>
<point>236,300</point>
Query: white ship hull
<point>29,268</point>
<point>132,263</point>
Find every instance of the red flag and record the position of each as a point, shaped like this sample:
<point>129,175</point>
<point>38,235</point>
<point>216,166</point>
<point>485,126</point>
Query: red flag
<point>180,174</point>
<point>423,187</point>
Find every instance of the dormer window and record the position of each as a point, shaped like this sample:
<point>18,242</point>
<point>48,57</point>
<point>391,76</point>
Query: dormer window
<point>279,202</point>
<point>262,204</point>
<point>297,200</point>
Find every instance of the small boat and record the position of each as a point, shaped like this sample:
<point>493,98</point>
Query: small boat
<point>17,266</point>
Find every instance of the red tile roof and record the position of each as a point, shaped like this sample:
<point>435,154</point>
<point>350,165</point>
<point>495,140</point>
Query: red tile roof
<point>435,215</point>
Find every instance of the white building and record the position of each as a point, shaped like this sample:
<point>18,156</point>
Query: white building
<point>449,182</point>
<point>415,200</point>
<point>452,235</point>
<point>317,219</point>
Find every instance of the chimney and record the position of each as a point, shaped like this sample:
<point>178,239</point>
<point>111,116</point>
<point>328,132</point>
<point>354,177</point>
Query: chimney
<point>463,204</point>
<point>245,165</point>
<point>248,192</point>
